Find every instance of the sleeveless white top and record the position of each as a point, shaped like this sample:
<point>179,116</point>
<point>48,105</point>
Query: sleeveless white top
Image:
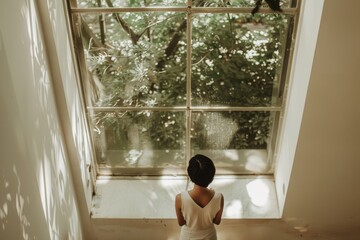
<point>199,221</point>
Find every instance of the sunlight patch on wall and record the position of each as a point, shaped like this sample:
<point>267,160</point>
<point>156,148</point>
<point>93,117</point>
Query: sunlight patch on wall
<point>15,201</point>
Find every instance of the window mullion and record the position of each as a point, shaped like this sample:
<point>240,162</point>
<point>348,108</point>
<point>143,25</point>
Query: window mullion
<point>188,84</point>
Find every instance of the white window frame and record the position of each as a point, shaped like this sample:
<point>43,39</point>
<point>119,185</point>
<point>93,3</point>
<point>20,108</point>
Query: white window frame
<point>189,109</point>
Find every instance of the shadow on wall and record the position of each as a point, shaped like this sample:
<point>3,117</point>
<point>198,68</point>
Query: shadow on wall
<point>71,89</point>
<point>36,195</point>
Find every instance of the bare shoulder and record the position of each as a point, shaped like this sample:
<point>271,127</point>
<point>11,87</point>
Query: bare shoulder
<point>178,199</point>
<point>221,201</point>
<point>216,192</point>
<point>179,214</point>
<point>178,196</point>
<point>221,197</point>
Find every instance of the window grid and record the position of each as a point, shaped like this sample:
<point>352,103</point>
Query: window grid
<point>189,10</point>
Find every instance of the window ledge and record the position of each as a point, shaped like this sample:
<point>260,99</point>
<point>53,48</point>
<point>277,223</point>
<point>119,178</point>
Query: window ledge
<point>251,197</point>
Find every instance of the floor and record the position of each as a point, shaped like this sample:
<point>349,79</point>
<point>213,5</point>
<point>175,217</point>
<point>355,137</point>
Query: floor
<point>144,198</point>
<point>143,208</point>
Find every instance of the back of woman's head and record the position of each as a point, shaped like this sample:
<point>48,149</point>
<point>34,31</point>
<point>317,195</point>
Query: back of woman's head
<point>201,170</point>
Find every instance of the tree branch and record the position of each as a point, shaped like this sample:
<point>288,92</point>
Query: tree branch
<point>171,48</point>
<point>134,37</point>
<point>88,34</point>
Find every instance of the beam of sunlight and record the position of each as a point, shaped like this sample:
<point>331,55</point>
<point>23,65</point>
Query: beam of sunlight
<point>258,192</point>
<point>232,154</point>
<point>4,207</point>
<point>172,186</point>
<point>103,181</point>
<point>19,204</point>
<point>256,161</point>
<point>166,182</point>
<point>234,209</point>
<point>42,188</point>
<point>4,211</point>
<point>220,182</point>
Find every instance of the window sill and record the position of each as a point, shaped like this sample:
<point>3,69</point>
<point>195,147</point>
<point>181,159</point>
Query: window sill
<point>251,197</point>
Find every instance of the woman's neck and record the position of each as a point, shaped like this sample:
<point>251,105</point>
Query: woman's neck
<point>198,188</point>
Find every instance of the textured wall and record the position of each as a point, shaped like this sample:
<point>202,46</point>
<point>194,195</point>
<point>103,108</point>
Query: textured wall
<point>37,197</point>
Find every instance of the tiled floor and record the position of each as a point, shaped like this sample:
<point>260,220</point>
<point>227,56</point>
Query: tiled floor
<point>245,198</point>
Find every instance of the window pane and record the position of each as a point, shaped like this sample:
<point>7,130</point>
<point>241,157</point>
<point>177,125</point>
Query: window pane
<point>129,3</point>
<point>240,3</point>
<point>231,137</point>
<point>149,94</point>
<point>199,3</point>
<point>137,60</point>
<point>237,59</point>
<point>230,130</point>
<point>139,139</point>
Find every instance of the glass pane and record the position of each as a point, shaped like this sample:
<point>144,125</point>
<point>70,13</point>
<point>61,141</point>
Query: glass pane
<point>240,3</point>
<point>139,139</point>
<point>229,137</point>
<point>129,3</point>
<point>237,59</point>
<point>138,59</point>
<point>198,3</point>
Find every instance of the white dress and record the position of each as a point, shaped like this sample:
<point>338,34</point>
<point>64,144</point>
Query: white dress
<point>199,221</point>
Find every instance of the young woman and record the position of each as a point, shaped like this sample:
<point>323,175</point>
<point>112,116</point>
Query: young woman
<point>199,209</point>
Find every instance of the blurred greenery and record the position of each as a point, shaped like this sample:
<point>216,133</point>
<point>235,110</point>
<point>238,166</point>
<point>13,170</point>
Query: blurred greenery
<point>138,59</point>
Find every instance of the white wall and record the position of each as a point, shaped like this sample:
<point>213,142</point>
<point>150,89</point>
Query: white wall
<point>53,15</point>
<point>323,192</point>
<point>304,50</point>
<point>37,195</point>
<point>323,196</point>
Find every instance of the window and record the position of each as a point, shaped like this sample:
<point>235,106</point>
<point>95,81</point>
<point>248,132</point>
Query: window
<point>164,80</point>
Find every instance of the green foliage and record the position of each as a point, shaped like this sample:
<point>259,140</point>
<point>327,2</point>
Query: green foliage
<point>236,60</point>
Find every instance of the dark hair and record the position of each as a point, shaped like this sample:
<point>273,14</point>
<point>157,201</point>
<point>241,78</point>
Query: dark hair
<point>201,170</point>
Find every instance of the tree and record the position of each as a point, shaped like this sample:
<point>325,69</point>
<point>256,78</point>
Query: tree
<point>139,60</point>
